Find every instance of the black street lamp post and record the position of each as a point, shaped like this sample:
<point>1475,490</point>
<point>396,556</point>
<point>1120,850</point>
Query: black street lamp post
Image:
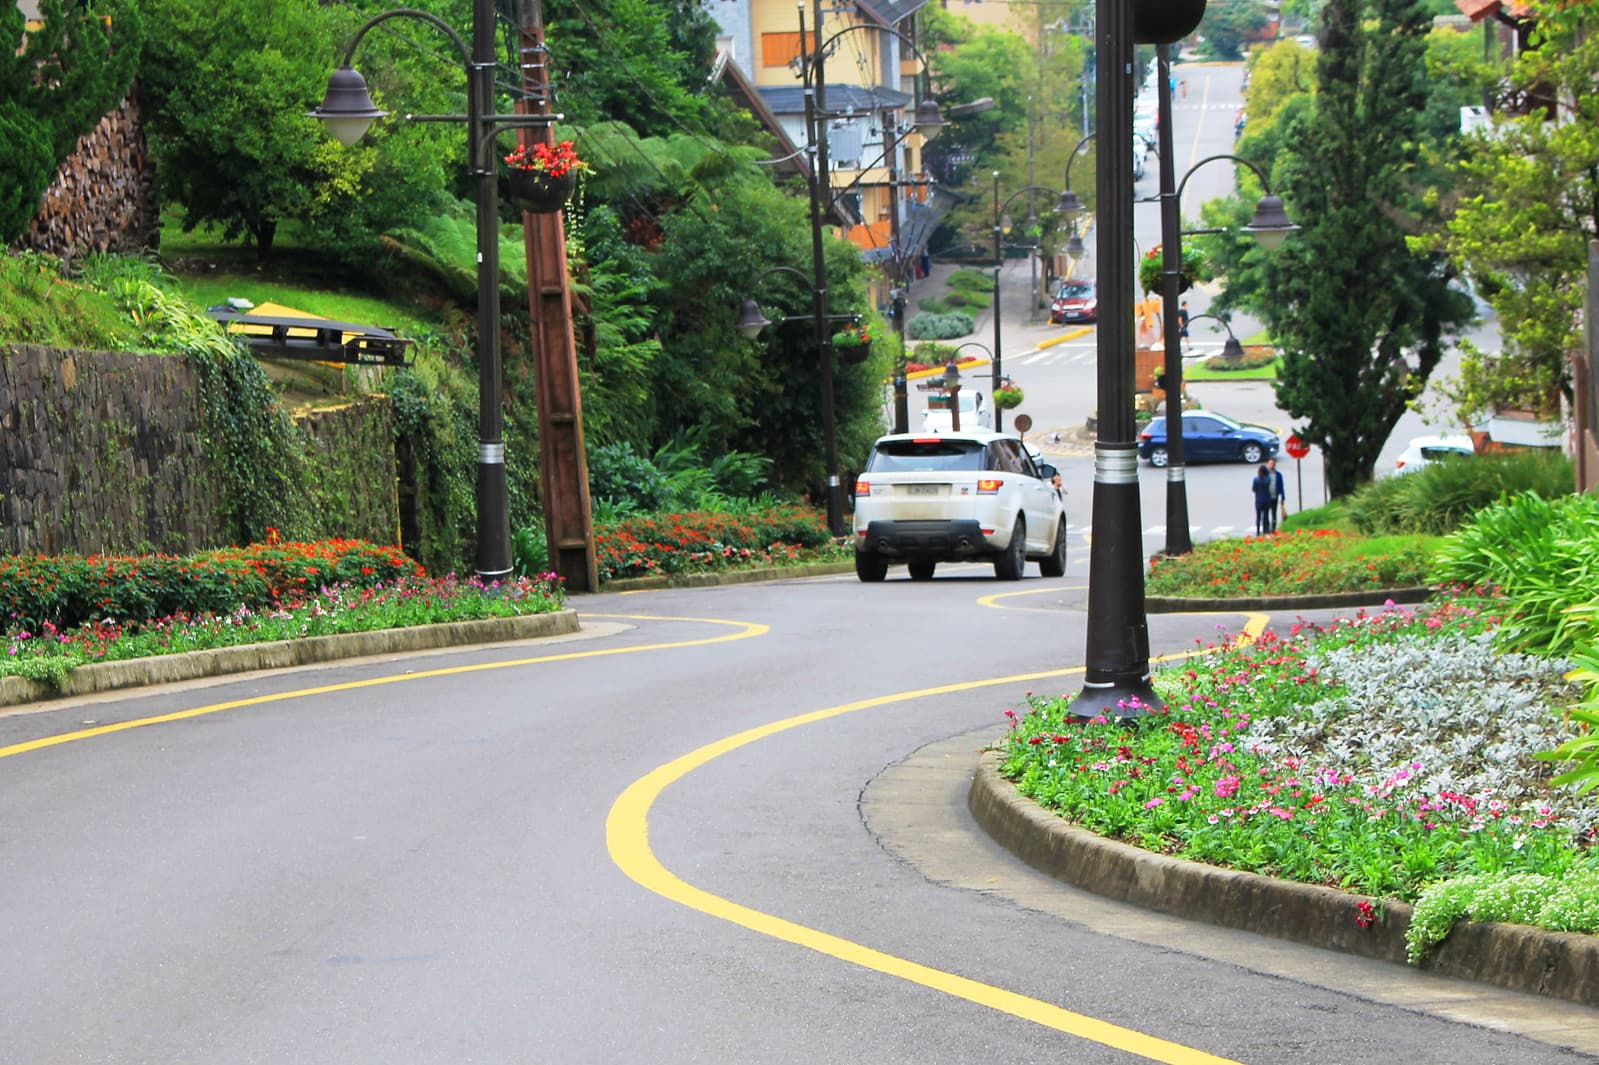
<point>1270,227</point>
<point>347,110</point>
<point>999,261</point>
<point>1116,679</point>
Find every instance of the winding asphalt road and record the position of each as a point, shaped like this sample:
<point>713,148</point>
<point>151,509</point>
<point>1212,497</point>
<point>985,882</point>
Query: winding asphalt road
<point>718,825</point>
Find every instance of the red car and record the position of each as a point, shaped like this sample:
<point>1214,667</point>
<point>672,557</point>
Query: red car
<point>1075,301</point>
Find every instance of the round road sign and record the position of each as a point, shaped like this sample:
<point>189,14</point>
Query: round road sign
<point>1296,447</point>
<point>1022,423</point>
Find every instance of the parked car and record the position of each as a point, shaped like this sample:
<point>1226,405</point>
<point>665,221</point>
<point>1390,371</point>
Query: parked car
<point>957,497</point>
<point>975,414</point>
<point>1209,437</point>
<point>1425,450</point>
<point>1075,301</point>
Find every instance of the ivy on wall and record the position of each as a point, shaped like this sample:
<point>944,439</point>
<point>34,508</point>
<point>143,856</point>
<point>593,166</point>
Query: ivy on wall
<point>258,449</point>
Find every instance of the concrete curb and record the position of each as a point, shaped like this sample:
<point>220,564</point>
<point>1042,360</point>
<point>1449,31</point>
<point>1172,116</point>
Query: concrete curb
<point>1555,964</point>
<point>281,654</point>
<point>1158,604</point>
<point>734,576</point>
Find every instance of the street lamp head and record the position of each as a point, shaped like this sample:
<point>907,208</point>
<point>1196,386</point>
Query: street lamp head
<point>929,119</point>
<point>750,320</point>
<point>1069,203</point>
<point>952,376</point>
<point>1074,246</point>
<point>1232,349</point>
<point>347,110</point>
<point>1271,225</point>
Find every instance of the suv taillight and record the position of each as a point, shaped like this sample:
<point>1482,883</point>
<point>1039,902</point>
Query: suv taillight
<point>1144,435</point>
<point>989,486</point>
<point>863,488</point>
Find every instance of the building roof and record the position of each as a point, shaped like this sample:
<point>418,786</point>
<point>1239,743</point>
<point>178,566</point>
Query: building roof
<point>790,99</point>
<point>889,12</point>
<point>1477,10</point>
<point>744,92</point>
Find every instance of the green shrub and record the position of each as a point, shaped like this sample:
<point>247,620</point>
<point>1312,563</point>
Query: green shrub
<point>970,281</point>
<point>1250,360</point>
<point>936,304</point>
<point>940,326</point>
<point>973,300</point>
<point>1539,558</point>
<point>1441,496</point>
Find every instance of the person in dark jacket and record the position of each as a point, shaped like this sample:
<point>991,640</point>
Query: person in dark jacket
<point>1265,501</point>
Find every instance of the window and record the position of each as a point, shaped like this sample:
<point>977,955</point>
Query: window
<point>780,49</point>
<point>927,455</point>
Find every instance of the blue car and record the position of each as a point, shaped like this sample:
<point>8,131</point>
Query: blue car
<point>1209,437</point>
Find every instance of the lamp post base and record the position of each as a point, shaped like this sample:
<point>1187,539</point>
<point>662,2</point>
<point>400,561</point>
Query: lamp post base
<point>1118,700</point>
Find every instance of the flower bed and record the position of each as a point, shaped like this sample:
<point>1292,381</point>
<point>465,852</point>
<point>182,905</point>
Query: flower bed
<point>1380,755</point>
<point>1297,563</point>
<point>702,542</point>
<point>69,591</point>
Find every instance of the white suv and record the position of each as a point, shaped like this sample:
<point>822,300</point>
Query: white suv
<point>957,497</point>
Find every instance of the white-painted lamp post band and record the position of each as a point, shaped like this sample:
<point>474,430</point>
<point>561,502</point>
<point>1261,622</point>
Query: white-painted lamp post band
<point>491,454</point>
<point>1115,464</point>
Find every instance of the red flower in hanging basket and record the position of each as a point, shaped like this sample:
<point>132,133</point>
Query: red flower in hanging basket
<point>555,160</point>
<point>852,334</point>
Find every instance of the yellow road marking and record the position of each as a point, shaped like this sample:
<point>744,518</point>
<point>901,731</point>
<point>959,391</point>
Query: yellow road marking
<point>747,629</point>
<point>627,831</point>
<point>627,838</point>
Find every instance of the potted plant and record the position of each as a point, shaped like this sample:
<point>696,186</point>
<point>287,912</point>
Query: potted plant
<point>542,177</point>
<point>1153,264</point>
<point>853,342</point>
<point>1008,396</point>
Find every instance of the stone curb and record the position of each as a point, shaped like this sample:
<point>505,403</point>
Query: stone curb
<point>713,580</point>
<point>280,654</point>
<point>1158,604</point>
<point>1555,964</point>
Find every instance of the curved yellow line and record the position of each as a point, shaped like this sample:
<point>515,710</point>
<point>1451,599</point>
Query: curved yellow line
<point>627,838</point>
<point>747,629</point>
<point>993,600</point>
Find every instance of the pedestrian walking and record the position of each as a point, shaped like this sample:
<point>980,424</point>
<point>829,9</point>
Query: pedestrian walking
<point>1182,325</point>
<point>1264,503</point>
<point>1279,489</point>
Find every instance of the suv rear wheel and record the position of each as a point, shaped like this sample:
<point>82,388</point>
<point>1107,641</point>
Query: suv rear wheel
<point>870,568</point>
<point>1009,566</point>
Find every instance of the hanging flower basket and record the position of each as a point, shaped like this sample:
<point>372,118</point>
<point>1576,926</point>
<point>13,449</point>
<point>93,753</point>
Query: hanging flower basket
<point>853,344</point>
<point>1008,397</point>
<point>1153,264</point>
<point>542,177</point>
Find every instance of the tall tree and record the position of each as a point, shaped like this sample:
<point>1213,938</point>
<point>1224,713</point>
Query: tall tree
<point>1528,207</point>
<point>1360,317</point>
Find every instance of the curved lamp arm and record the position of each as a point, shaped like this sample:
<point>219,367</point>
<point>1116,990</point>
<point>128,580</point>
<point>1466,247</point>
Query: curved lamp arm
<point>1232,349</point>
<point>1271,224</point>
<point>1069,203</point>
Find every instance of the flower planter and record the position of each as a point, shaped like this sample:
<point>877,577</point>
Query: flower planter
<point>536,192</point>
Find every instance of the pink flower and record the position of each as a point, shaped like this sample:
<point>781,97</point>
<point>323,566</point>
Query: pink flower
<point>1152,803</point>
<point>1226,787</point>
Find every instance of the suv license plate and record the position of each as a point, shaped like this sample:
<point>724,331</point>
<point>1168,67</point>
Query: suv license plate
<point>923,489</point>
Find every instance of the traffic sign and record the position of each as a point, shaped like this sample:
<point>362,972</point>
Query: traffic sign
<point>1022,423</point>
<point>1296,447</point>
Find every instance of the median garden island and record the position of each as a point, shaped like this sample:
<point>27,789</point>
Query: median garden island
<point>1437,755</point>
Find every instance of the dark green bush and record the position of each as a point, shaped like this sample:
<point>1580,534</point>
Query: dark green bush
<point>940,326</point>
<point>1440,497</point>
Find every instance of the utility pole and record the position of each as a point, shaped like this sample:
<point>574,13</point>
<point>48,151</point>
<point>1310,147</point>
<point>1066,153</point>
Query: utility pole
<point>563,462</point>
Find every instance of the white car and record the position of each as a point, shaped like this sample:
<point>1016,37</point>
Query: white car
<point>974,415</point>
<point>957,497</point>
<point>1424,450</point>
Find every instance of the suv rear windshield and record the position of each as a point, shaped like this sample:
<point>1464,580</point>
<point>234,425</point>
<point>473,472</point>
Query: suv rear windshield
<point>940,454</point>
